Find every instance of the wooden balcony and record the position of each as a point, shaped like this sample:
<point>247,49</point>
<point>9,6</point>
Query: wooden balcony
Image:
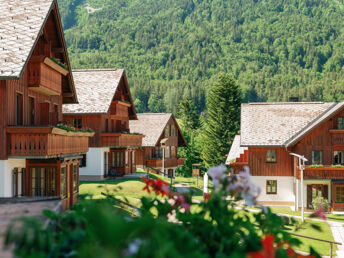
<point>170,162</point>
<point>181,161</point>
<point>325,172</point>
<point>45,141</point>
<point>45,76</point>
<point>119,108</point>
<point>337,136</point>
<point>121,140</point>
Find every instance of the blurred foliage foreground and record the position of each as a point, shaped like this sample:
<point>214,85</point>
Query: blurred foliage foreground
<point>168,224</point>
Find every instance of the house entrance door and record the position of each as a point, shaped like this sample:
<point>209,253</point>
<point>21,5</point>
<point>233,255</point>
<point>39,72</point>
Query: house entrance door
<point>315,190</point>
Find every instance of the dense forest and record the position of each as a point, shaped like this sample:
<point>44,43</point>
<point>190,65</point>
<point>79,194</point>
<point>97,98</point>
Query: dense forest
<point>174,49</point>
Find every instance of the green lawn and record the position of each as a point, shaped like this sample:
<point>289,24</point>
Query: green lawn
<point>287,210</point>
<point>321,247</point>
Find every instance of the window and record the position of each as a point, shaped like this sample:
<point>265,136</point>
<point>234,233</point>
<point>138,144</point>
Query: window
<point>317,157</point>
<point>167,152</point>
<point>107,125</point>
<point>339,193</point>
<point>173,151</point>
<point>19,109</point>
<point>338,157</point>
<point>43,181</point>
<point>82,162</point>
<point>31,111</point>
<point>133,158</point>
<point>271,156</point>
<point>167,131</point>
<point>75,178</point>
<point>63,182</point>
<point>117,159</point>
<point>77,122</point>
<point>173,130</point>
<point>127,159</point>
<point>158,152</point>
<point>341,123</point>
<point>271,186</point>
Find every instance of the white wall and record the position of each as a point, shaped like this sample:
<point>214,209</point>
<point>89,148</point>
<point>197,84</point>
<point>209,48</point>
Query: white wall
<point>284,188</point>
<point>94,162</point>
<point>6,175</point>
<point>311,182</point>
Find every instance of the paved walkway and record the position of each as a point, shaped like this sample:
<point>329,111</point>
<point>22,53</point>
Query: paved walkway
<point>182,187</point>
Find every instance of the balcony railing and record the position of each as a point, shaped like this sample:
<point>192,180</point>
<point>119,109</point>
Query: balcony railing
<point>45,141</point>
<point>337,136</point>
<point>121,140</point>
<point>324,172</point>
<point>181,161</point>
<point>168,162</point>
<point>45,76</point>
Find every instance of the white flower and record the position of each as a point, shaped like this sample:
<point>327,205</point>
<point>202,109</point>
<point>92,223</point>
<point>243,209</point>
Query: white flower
<point>242,183</point>
<point>217,174</point>
<point>133,248</point>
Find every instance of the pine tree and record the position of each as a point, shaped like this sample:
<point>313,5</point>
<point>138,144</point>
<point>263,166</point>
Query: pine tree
<point>188,114</point>
<point>222,120</point>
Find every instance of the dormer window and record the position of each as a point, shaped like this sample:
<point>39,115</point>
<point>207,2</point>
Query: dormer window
<point>340,123</point>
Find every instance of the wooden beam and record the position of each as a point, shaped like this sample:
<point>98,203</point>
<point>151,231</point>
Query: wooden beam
<point>58,50</point>
<point>3,114</point>
<point>67,94</point>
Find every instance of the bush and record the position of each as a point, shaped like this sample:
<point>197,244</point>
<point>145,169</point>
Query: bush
<point>169,224</point>
<point>319,202</point>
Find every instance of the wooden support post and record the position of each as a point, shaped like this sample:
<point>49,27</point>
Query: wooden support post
<point>331,246</point>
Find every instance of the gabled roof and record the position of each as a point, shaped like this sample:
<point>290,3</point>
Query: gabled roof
<point>235,150</point>
<point>280,124</point>
<point>95,89</point>
<point>21,24</point>
<point>152,126</point>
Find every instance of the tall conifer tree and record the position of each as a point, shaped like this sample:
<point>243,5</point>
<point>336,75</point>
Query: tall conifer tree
<point>222,120</point>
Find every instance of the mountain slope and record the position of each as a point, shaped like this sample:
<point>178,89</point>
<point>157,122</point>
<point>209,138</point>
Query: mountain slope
<point>172,49</point>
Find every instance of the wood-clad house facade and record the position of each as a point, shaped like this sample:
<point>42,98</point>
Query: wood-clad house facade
<point>271,132</point>
<point>106,106</point>
<point>36,158</point>
<point>163,136</point>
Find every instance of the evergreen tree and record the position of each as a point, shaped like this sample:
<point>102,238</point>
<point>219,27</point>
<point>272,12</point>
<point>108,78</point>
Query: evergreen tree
<point>222,120</point>
<point>188,114</point>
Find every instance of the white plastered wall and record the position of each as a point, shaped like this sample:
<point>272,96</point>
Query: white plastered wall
<point>311,182</point>
<point>6,175</point>
<point>285,191</point>
<point>94,162</point>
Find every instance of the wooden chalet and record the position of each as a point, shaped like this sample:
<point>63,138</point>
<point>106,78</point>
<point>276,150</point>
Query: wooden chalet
<point>271,132</point>
<point>36,158</point>
<point>160,145</point>
<point>105,105</point>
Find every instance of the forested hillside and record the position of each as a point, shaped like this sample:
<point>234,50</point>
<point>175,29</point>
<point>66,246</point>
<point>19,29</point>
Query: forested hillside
<point>173,49</point>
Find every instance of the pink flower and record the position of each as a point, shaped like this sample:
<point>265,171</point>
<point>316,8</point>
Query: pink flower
<point>186,206</point>
<point>319,213</point>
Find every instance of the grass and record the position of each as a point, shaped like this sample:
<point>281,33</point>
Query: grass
<point>322,248</point>
<point>287,210</point>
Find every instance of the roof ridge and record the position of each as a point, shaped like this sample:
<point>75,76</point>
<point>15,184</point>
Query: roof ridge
<point>96,69</point>
<point>285,103</point>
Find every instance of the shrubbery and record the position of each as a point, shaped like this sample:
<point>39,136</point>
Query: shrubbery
<point>169,224</point>
<point>320,202</point>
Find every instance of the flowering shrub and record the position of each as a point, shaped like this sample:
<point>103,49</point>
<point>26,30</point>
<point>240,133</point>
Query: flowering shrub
<point>170,224</point>
<point>70,128</point>
<point>320,204</point>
